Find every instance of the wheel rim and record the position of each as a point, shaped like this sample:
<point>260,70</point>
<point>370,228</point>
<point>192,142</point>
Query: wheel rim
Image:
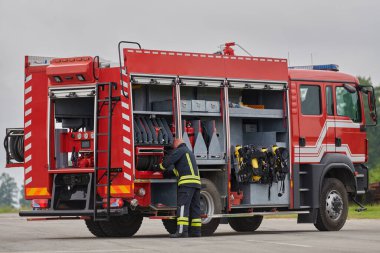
<point>334,205</point>
<point>207,206</point>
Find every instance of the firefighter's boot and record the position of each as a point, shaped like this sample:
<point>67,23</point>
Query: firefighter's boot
<point>182,228</point>
<point>195,228</point>
<point>180,235</point>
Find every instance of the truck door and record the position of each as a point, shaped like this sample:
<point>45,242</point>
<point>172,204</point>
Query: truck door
<point>311,123</point>
<point>349,139</point>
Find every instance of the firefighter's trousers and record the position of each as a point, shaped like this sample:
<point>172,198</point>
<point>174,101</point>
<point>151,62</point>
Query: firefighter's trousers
<point>188,210</point>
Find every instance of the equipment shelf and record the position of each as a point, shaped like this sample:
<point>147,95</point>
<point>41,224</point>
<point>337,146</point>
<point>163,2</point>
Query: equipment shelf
<point>200,114</point>
<point>153,112</point>
<point>241,113</point>
<point>256,113</point>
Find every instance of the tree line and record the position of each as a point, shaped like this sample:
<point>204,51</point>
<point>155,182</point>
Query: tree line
<point>9,193</point>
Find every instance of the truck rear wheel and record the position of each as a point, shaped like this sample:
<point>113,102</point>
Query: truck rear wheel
<point>333,206</point>
<point>94,228</point>
<point>245,224</point>
<point>170,225</point>
<point>122,226</point>
<point>210,204</point>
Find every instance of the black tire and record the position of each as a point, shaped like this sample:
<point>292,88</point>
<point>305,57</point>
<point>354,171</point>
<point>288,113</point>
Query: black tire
<point>245,224</point>
<point>170,225</point>
<point>209,193</point>
<point>332,216</point>
<point>122,226</point>
<point>94,228</point>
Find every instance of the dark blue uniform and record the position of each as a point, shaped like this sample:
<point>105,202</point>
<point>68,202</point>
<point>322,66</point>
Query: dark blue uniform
<point>181,162</point>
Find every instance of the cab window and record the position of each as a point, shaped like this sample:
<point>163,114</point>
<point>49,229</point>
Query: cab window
<point>347,104</point>
<point>310,99</point>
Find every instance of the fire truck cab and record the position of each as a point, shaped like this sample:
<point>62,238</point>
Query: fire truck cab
<point>268,139</point>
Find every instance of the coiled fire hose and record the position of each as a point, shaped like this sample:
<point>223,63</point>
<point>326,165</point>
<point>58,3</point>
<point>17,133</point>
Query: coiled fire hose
<point>14,145</point>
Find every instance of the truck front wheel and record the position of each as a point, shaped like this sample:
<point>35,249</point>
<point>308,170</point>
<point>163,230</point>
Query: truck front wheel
<point>333,206</point>
<point>246,224</point>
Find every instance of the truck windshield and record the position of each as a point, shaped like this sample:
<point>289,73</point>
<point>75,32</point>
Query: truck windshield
<point>347,104</point>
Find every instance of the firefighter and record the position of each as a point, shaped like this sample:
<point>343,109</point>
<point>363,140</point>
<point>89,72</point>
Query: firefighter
<point>181,162</point>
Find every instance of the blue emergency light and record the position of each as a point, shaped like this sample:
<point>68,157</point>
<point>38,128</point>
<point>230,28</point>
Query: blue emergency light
<point>330,67</point>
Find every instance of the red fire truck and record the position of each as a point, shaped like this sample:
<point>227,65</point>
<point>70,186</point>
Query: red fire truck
<point>268,139</point>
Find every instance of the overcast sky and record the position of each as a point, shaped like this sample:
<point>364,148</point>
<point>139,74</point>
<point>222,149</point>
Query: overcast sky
<point>344,32</point>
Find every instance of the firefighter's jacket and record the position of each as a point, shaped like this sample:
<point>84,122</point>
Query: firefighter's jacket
<point>182,163</point>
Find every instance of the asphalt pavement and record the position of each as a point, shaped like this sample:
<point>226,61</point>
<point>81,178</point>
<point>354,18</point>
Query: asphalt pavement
<point>274,235</point>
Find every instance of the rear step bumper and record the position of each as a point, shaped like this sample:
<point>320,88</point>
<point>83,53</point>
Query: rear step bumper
<point>46,213</point>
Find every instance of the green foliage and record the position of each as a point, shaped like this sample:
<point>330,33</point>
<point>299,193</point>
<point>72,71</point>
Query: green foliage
<point>374,175</point>
<point>8,209</point>
<point>8,190</point>
<point>372,212</point>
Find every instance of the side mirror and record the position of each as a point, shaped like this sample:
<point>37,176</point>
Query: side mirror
<point>369,91</point>
<point>372,105</point>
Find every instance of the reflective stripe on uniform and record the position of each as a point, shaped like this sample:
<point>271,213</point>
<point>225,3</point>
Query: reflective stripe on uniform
<point>190,164</point>
<point>175,171</point>
<point>189,181</point>
<point>183,221</point>
<point>196,222</point>
<point>162,167</point>
<point>181,213</point>
<point>189,177</point>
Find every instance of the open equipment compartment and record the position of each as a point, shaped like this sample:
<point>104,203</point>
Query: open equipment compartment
<point>154,127</point>
<point>71,138</point>
<point>203,127</point>
<point>258,119</point>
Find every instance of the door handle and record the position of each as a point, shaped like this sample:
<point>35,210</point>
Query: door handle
<point>338,142</point>
<point>302,142</point>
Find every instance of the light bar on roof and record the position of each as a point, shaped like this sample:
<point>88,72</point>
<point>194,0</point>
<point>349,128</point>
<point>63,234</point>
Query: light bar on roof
<point>329,67</point>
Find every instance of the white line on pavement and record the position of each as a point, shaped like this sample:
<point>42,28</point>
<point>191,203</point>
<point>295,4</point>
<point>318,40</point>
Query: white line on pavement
<point>282,243</point>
